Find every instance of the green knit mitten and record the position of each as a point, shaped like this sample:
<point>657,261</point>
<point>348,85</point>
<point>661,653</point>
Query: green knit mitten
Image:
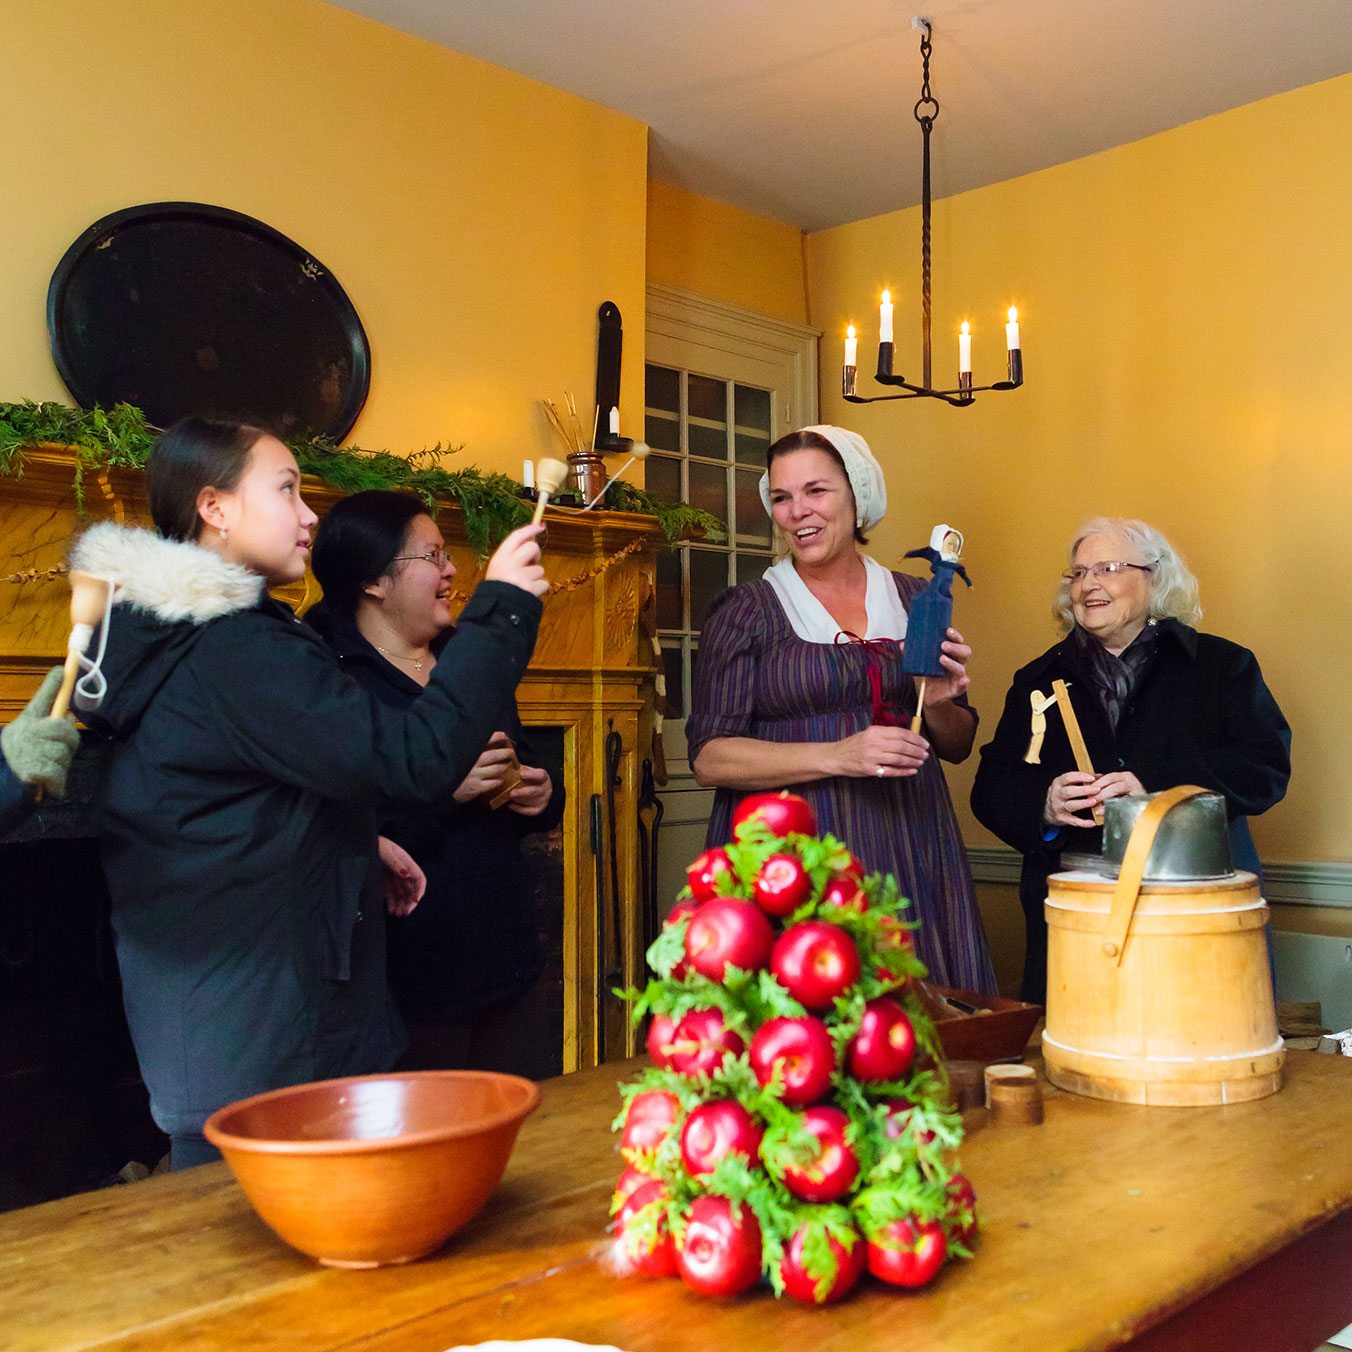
<point>38,748</point>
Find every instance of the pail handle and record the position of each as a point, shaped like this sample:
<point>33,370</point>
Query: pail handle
<point>1134,859</point>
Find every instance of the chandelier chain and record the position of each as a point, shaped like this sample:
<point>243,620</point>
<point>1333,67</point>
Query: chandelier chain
<point>926,120</point>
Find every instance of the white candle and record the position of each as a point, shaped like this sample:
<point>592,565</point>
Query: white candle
<point>614,422</point>
<point>528,473</point>
<point>885,318</point>
<point>965,350</point>
<point>1012,330</point>
<point>851,347</point>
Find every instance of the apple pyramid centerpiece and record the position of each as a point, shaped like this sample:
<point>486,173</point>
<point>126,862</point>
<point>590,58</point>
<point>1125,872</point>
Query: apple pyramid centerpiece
<point>794,1124</point>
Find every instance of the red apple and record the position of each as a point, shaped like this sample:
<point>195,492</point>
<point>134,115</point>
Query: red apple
<point>845,890</point>
<point>782,885</point>
<point>852,868</point>
<point>815,962</point>
<point>899,1111</point>
<point>661,1035</point>
<point>728,931</point>
<point>650,1116</point>
<point>803,1053</point>
<point>701,1040</point>
<point>961,1216</point>
<point>683,910</point>
<point>834,1170</point>
<point>782,813</point>
<point>721,1252</point>
<point>721,1127</point>
<point>817,1290</point>
<point>632,1179</point>
<point>707,872</point>
<point>906,1252</point>
<point>884,1046</point>
<point>894,934</point>
<point>651,1251</point>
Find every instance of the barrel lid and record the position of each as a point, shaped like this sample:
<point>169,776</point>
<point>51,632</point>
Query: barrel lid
<point>1192,843</point>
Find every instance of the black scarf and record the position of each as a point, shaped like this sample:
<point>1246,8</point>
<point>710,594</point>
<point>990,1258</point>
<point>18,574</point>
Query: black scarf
<point>1115,679</point>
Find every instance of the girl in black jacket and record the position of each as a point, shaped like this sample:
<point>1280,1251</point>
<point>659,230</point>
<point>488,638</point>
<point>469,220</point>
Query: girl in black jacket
<point>240,831</point>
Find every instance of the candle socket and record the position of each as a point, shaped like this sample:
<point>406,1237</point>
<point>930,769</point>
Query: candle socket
<point>1016,366</point>
<point>884,359</point>
<point>847,386</point>
<point>965,384</point>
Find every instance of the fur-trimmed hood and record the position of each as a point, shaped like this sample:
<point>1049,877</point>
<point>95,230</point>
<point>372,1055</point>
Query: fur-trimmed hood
<point>167,592</point>
<point>172,579</point>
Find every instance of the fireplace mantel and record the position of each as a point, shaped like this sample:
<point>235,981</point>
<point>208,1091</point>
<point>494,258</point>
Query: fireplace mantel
<point>592,675</point>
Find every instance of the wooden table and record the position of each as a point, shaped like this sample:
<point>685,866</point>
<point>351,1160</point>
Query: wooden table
<point>1210,1229</point>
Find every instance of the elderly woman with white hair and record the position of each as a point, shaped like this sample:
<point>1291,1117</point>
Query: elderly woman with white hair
<point>799,685</point>
<point>1158,704</point>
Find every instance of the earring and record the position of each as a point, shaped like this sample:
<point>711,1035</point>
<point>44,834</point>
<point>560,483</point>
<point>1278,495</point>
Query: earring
<point>224,533</point>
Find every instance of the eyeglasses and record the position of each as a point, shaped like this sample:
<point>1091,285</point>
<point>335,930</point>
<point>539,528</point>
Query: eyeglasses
<point>437,556</point>
<point>1098,571</point>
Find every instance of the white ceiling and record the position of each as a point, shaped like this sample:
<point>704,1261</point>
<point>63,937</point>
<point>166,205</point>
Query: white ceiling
<point>802,109</point>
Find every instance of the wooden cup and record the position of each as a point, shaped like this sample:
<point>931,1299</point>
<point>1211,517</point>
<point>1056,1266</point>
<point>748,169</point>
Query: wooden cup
<point>1014,1095</point>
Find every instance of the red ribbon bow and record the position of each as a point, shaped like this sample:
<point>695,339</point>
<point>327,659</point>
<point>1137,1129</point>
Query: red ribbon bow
<point>885,713</point>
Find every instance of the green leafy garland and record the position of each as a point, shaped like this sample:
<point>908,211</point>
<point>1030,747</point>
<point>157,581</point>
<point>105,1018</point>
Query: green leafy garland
<point>119,437</point>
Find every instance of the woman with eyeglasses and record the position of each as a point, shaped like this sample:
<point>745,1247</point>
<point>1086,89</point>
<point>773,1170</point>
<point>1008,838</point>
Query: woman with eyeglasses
<point>465,963</point>
<point>239,830</point>
<point>1158,703</point>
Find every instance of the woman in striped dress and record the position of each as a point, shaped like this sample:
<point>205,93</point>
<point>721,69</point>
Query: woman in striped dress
<point>799,686</point>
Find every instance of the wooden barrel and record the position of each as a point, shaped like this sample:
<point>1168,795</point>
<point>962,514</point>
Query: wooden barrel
<point>1181,1012</point>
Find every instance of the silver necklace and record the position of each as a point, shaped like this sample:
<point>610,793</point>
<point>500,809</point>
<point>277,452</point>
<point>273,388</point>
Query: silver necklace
<point>417,661</point>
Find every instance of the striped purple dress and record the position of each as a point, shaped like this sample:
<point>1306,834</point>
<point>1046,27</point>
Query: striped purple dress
<point>756,678</point>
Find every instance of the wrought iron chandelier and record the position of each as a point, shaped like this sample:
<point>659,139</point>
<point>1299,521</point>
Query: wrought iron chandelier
<point>926,110</point>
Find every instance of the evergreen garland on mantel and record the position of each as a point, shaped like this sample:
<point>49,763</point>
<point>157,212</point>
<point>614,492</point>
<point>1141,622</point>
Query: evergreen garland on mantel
<point>103,438</point>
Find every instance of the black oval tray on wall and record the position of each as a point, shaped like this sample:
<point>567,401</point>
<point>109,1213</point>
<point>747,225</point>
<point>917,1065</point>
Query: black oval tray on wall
<point>186,309</point>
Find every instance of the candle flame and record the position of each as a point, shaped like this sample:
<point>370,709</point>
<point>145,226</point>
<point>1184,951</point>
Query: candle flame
<point>849,332</point>
<point>887,298</point>
<point>965,329</point>
<point>1013,315</point>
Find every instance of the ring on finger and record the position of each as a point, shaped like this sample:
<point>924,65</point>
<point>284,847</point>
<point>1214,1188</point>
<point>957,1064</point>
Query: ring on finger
<point>882,770</point>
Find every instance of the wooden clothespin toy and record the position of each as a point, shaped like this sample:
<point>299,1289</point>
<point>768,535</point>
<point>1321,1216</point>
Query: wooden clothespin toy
<point>1041,703</point>
<point>549,477</point>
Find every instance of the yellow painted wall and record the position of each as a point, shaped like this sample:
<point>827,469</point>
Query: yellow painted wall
<point>725,254</point>
<point>476,218</point>
<point>1186,307</point>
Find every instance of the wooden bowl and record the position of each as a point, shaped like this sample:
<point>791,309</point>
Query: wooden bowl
<point>1000,1035</point>
<point>374,1169</point>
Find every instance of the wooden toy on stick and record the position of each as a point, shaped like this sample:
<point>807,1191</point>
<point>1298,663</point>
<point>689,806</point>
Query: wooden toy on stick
<point>931,612</point>
<point>638,451</point>
<point>549,477</point>
<point>89,596</point>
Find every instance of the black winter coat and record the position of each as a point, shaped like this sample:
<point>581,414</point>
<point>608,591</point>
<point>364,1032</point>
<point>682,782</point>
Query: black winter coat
<point>1201,715</point>
<point>471,941</point>
<point>13,797</point>
<point>240,820</point>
